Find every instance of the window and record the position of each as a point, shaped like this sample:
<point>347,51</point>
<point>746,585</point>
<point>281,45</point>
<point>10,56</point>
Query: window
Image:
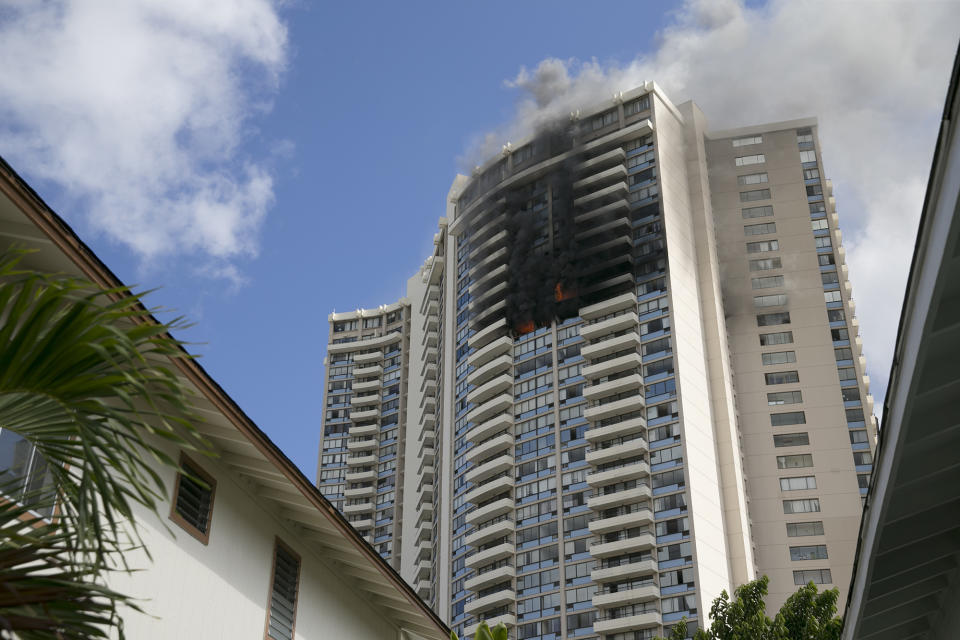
<point>861,458</point>
<point>819,225</point>
<point>830,277</point>
<point>798,461</point>
<point>765,264</point>
<point>24,474</point>
<point>781,337</point>
<point>806,505</point>
<point>850,395</point>
<point>800,483</point>
<point>760,229</point>
<point>744,161</point>
<point>776,300</point>
<point>784,397</point>
<point>826,259</point>
<point>782,377</point>
<point>767,282</point>
<point>801,529</point>
<point>192,506</point>
<point>788,418</point>
<point>811,552</point>
<point>816,576</point>
<point>843,353</point>
<point>858,436</point>
<point>832,296</point>
<point>281,616</point>
<point>791,439</point>
<point>811,174</point>
<point>756,194</point>
<point>808,156</point>
<point>752,178</point>
<point>743,142</point>
<point>760,247</point>
<point>771,319</point>
<point>778,357</point>
<point>636,106</point>
<point>822,242</point>
<point>757,212</point>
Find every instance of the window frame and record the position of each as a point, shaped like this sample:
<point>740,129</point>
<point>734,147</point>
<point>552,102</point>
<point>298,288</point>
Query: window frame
<point>175,516</point>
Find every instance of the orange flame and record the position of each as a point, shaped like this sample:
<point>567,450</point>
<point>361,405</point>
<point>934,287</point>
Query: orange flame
<point>560,294</point>
<point>525,327</point>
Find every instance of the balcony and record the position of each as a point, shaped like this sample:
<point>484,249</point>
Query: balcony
<point>487,578</point>
<point>630,471</point>
<point>490,468</point>
<point>357,431</point>
<point>360,387</point>
<point>598,212</point>
<point>488,390</point>
<point>490,351</point>
<point>490,408</point>
<point>359,492</point>
<point>645,593</point>
<point>493,425</point>
<point>367,475</point>
<point>592,181</point>
<point>611,345</point>
<point>615,365</point>
<point>490,276</point>
<point>627,623</point>
<point>369,398</point>
<point>611,305</point>
<point>614,408</point>
<point>503,442</point>
<point>360,525</point>
<point>627,449</point>
<point>494,367</point>
<point>624,571</point>
<point>618,189</point>
<point>625,496</point>
<point>424,569</point>
<point>358,508</point>
<point>365,372</point>
<point>612,387</point>
<point>617,429</point>
<point>361,460</point>
<point>490,511</point>
<point>362,445</point>
<point>367,414</point>
<point>491,555</point>
<point>508,619</point>
<point>610,157</point>
<point>489,489</point>
<point>497,599</point>
<point>487,334</point>
<point>482,300</point>
<point>496,530</point>
<point>367,358</point>
<point>636,518</point>
<point>610,325</point>
<point>641,542</point>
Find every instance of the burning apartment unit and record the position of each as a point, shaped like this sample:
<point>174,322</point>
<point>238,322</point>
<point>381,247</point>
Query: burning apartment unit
<point>628,326</point>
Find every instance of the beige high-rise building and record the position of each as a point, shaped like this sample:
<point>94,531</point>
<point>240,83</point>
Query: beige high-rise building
<point>634,376</point>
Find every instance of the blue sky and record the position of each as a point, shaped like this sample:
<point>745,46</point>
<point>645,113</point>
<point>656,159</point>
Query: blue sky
<point>304,151</point>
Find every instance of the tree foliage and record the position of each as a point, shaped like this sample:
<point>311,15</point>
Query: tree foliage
<point>86,379</point>
<point>806,615</point>
<point>484,632</point>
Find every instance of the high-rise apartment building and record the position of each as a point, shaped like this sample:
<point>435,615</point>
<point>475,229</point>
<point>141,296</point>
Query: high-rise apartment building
<point>361,466</point>
<point>634,379</point>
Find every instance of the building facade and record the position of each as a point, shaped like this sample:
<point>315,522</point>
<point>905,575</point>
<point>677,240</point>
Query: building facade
<point>361,465</point>
<point>638,378</point>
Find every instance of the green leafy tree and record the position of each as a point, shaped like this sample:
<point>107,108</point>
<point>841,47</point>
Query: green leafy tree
<point>484,632</point>
<point>806,615</point>
<point>87,381</point>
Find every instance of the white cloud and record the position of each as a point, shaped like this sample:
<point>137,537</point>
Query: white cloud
<point>874,73</point>
<point>138,108</point>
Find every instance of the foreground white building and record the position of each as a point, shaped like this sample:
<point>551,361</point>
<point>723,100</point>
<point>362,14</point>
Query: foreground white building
<point>260,555</point>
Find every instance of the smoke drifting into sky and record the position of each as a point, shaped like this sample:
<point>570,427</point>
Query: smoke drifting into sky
<point>875,74</point>
<point>137,108</point>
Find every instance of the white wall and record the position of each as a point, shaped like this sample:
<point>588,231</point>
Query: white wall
<point>220,590</point>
